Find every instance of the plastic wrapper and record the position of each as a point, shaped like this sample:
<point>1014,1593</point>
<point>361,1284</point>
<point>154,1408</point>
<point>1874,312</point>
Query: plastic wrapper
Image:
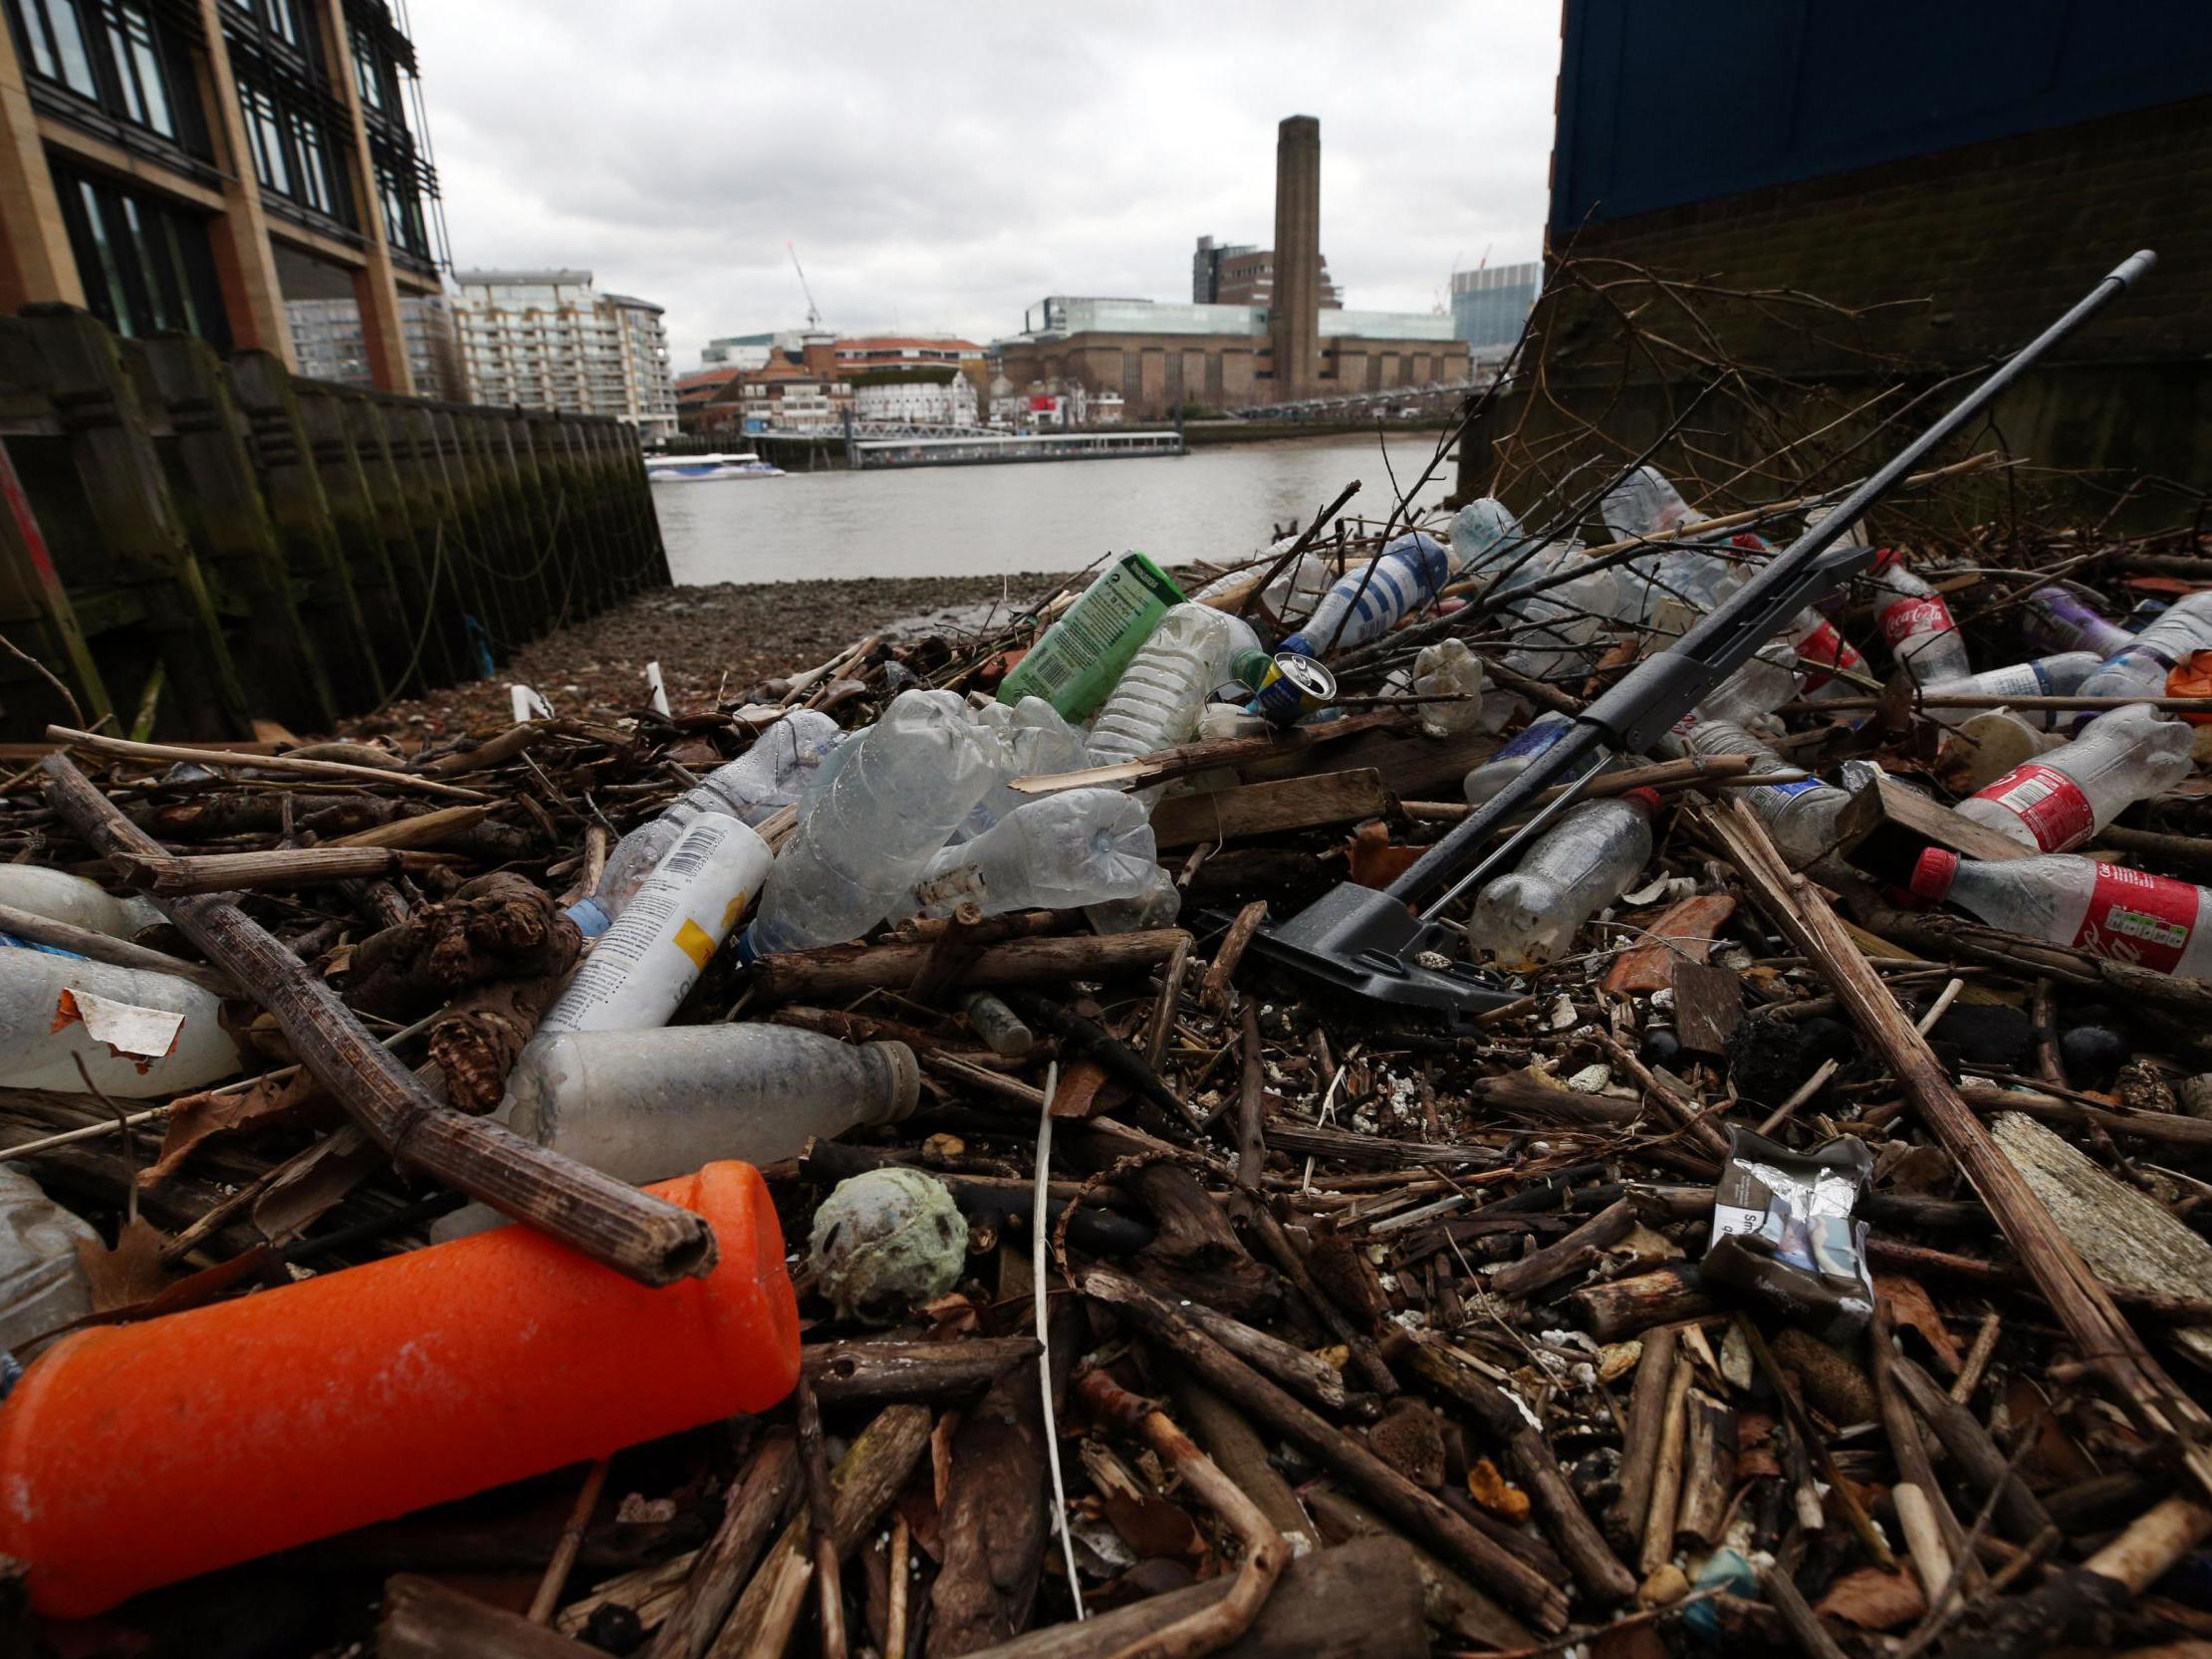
<point>1783,1232</point>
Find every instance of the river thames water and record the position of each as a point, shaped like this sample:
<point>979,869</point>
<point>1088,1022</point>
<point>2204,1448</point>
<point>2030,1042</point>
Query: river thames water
<point>1216,504</point>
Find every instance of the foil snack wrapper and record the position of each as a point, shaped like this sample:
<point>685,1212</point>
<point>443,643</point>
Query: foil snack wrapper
<point>1783,1232</point>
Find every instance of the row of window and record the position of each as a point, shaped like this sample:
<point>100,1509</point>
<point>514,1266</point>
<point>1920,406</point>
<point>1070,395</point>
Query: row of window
<point>145,266</point>
<point>111,54</point>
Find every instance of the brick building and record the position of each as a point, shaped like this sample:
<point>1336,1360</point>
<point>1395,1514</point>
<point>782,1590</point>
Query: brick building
<point>1968,171</point>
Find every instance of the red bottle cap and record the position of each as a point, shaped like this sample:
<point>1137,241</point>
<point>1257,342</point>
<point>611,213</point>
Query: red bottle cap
<point>1647,798</point>
<point>1931,876</point>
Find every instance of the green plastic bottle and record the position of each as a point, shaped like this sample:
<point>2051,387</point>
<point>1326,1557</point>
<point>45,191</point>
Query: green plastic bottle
<point>1080,660</point>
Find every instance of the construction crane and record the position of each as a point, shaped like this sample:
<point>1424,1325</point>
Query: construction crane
<point>813,317</point>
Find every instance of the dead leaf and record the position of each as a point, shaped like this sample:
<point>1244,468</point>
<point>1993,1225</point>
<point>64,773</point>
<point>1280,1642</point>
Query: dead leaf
<point>197,1117</point>
<point>1909,1305</point>
<point>1373,861</point>
<point>1874,1599</point>
<point>1684,929</point>
<point>130,1272</point>
<point>1154,1528</point>
<point>1497,1494</point>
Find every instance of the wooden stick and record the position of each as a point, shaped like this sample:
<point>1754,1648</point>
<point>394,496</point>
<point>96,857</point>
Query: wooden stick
<point>1639,1439</point>
<point>311,866</point>
<point>1513,1581</point>
<point>2020,1515</point>
<point>1265,1550</point>
<point>1293,1267</point>
<point>423,1619</point>
<point>1237,1447</point>
<point>1915,1468</point>
<point>2050,1258</point>
<point>651,1240</point>
<point>1251,1104</point>
<point>1666,1473</point>
<point>900,1572</point>
<point>1708,1472</point>
<point>844,970</point>
<point>1783,1596</point>
<point>719,1570</point>
<point>1931,1561</point>
<point>828,1579</point>
<point>873,1370</point>
<point>124,749</point>
<point>572,1539</point>
<point>117,953</point>
<point>1570,1255</point>
<point>1161,1025</point>
<point>1213,990</point>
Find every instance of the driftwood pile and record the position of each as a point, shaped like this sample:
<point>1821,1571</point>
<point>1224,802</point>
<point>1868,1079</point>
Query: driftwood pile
<point>1354,1341</point>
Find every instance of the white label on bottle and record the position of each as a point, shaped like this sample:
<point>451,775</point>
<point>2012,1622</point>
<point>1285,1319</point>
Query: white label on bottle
<point>138,1033</point>
<point>2022,679</point>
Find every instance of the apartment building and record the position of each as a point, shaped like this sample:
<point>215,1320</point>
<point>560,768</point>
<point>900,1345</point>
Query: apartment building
<point>193,164</point>
<point>547,338</point>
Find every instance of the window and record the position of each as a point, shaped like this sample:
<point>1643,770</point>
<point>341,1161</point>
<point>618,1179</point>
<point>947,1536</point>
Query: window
<point>265,136</point>
<point>114,55</point>
<point>318,185</point>
<point>145,265</point>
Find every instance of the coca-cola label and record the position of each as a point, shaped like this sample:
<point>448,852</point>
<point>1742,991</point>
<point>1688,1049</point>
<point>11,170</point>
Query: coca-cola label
<point>2139,918</point>
<point>1908,618</point>
<point>2048,802</point>
<point>1829,649</point>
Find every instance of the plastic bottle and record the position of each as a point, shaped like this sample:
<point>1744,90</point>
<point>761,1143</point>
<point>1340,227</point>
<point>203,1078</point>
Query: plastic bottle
<point>867,830</point>
<point>416,1379</point>
<point>1448,669</point>
<point>1581,865</point>
<point>1056,852</point>
<point>1406,575</point>
<point>2140,668</point>
<point>1800,816</point>
<point>1985,745</point>
<point>1510,761</point>
<point>1756,688</point>
<point>648,962</point>
<point>2064,797</point>
<point>1028,739</point>
<point>1156,704</point>
<point>2109,910</point>
<point>2046,676</point>
<point>1079,659</point>
<point>43,1286</point>
<point>641,1104</point>
<point>1157,905</point>
<point>1646,504</point>
<point>2057,619</point>
<point>141,1034</point>
<point>1917,623</point>
<point>1003,1030</point>
<point>1291,595</point>
<point>61,897</point>
<point>751,789</point>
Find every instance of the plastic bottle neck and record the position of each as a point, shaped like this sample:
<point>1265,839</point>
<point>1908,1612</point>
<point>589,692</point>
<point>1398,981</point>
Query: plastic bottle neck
<point>1933,874</point>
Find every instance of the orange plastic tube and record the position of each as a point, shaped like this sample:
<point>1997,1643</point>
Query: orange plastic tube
<point>138,1455</point>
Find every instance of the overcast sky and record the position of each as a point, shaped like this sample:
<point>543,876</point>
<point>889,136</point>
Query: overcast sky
<point>940,166</point>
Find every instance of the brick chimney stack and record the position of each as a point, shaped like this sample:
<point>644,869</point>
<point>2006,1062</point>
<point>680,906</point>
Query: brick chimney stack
<point>1294,320</point>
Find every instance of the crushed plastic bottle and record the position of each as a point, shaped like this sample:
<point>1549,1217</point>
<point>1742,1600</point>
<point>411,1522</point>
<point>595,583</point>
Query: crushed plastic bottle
<point>61,897</point>
<point>1448,669</point>
<point>1645,505</point>
<point>1289,597</point>
<point>1028,739</point>
<point>2140,668</point>
<point>2046,676</point>
<point>642,1105</point>
<point>1515,758</point>
<point>1580,865</point>
<point>2061,799</point>
<point>2057,619</point>
<point>2109,910</point>
<point>1157,702</point>
<point>768,777</point>
<point>1917,623</point>
<point>1056,853</point>
<point>1757,688</point>
<point>1157,905</point>
<point>871,828</point>
<point>1406,575</point>
<point>1079,661</point>
<point>139,1032</point>
<point>1800,816</point>
<point>1554,631</point>
<point>43,1285</point>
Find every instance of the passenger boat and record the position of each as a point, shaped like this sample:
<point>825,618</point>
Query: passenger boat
<point>690,469</point>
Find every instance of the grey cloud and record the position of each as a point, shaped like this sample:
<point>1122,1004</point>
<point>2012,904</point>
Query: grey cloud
<point>944,166</point>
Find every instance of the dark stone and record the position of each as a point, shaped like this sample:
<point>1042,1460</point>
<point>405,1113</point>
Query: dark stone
<point>1767,1058</point>
<point>1660,1046</point>
<point>614,1628</point>
<point>2094,1055</point>
<point>1988,1034</point>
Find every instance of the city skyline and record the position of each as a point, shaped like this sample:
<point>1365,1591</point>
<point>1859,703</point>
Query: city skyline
<point>913,217</point>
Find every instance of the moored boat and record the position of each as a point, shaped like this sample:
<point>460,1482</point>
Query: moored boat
<point>692,469</point>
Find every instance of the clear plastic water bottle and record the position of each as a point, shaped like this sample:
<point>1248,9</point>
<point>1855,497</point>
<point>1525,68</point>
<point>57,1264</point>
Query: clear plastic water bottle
<point>871,827</point>
<point>1027,740</point>
<point>2109,910</point>
<point>1755,689</point>
<point>2059,800</point>
<point>61,897</point>
<point>2140,668</point>
<point>646,963</point>
<point>1516,756</point>
<point>1291,596</point>
<point>1157,905</point>
<point>1407,575</point>
<point>1917,623</point>
<point>1644,506</point>
<point>1800,816</point>
<point>1581,865</point>
<point>643,1105</point>
<point>1056,853</point>
<point>1156,704</point>
<point>2046,676</point>
<point>2058,619</point>
<point>1448,669</point>
<point>139,1032</point>
<point>42,1281</point>
<point>768,777</point>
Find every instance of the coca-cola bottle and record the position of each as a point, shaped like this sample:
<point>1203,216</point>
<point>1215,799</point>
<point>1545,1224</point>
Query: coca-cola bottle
<point>2059,800</point>
<point>2109,910</point>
